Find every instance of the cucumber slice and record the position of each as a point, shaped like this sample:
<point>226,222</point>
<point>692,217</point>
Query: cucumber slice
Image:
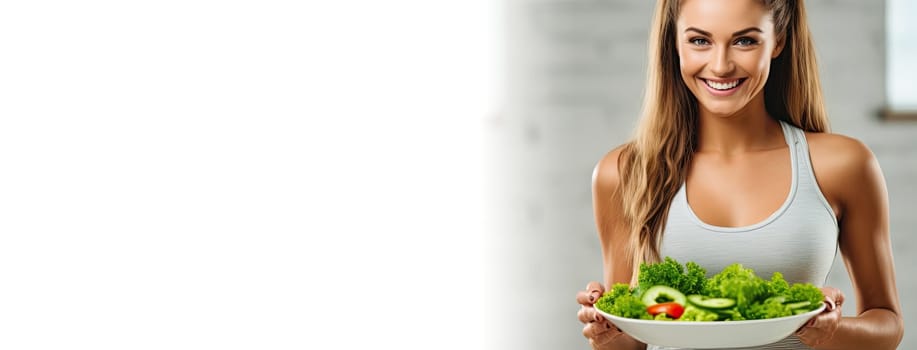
<point>661,294</point>
<point>711,303</point>
<point>799,305</point>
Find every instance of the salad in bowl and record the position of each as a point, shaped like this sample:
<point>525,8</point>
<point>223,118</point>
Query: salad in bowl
<point>677,305</point>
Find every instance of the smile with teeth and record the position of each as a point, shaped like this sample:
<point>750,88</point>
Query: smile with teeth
<point>724,85</point>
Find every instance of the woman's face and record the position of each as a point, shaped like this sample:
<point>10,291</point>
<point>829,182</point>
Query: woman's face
<point>725,48</point>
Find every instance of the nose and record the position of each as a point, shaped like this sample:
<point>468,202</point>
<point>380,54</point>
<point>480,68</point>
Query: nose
<point>722,65</point>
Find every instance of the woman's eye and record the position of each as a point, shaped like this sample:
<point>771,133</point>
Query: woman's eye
<point>699,41</point>
<point>746,42</point>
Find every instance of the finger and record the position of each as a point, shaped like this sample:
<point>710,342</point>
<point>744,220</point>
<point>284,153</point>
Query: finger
<point>831,301</point>
<point>803,332</point>
<point>829,322</point>
<point>815,322</point>
<point>821,327</point>
<point>588,314</point>
<point>595,286</point>
<point>594,329</point>
<point>806,337</point>
<point>839,298</point>
<point>833,297</point>
<point>811,337</point>
<point>593,291</point>
<point>822,322</point>
<point>585,298</point>
<point>806,326</point>
<point>605,338</point>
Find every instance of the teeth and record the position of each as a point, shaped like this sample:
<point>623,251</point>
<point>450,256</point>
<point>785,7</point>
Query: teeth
<point>722,86</point>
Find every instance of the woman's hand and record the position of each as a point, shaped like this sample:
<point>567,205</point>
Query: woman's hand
<point>597,329</point>
<point>821,327</point>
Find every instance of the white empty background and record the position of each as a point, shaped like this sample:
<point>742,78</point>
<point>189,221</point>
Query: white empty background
<point>244,174</point>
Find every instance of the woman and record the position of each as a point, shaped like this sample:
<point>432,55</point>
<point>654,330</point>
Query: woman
<point>731,162</point>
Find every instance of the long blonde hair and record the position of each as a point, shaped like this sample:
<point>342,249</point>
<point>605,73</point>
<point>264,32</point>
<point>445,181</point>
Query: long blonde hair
<point>654,164</point>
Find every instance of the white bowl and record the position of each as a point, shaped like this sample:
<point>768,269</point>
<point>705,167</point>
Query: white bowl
<point>714,334</point>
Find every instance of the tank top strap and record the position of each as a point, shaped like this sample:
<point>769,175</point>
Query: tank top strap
<point>803,170</point>
<point>796,150</point>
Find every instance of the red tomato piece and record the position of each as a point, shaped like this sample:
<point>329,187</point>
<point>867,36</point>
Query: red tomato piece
<point>672,309</point>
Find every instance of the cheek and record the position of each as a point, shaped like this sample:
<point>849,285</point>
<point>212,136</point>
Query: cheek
<point>691,63</point>
<point>691,68</point>
<point>756,63</point>
<point>760,66</point>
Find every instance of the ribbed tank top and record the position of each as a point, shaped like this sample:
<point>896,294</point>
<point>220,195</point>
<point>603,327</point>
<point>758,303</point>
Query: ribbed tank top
<point>799,240</point>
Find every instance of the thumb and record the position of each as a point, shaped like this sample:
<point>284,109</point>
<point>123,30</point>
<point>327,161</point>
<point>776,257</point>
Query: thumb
<point>833,296</point>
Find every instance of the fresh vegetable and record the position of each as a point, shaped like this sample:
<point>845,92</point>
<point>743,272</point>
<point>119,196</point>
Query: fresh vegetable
<point>798,305</point>
<point>671,309</point>
<point>661,294</point>
<point>737,283</point>
<point>693,313</point>
<point>619,301</point>
<point>689,279</point>
<point>778,286</point>
<point>734,294</point>
<point>732,314</point>
<point>806,292</point>
<point>711,303</point>
<point>772,307</point>
<point>780,299</point>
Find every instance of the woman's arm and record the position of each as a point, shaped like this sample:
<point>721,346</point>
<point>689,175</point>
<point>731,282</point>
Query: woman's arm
<point>609,220</point>
<point>850,176</point>
<point>617,265</point>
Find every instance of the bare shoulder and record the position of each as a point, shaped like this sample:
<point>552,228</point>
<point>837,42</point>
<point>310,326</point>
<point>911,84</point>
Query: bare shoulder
<point>840,154</point>
<point>844,167</point>
<point>605,176</point>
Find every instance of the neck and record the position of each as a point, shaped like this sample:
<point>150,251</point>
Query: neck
<point>750,129</point>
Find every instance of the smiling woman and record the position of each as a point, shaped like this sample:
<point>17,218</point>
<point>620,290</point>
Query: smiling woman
<point>727,71</point>
<point>732,162</point>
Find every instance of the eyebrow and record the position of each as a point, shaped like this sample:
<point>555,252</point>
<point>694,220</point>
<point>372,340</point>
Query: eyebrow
<point>741,32</point>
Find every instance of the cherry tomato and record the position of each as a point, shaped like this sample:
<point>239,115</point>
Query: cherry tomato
<point>672,309</point>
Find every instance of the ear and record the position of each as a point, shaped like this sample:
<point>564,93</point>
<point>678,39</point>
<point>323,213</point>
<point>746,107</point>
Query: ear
<point>778,48</point>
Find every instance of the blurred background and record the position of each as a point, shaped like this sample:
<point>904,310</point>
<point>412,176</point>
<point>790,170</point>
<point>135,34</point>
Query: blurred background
<point>575,76</point>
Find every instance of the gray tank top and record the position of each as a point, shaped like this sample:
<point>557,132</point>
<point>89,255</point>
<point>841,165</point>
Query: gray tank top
<point>799,240</point>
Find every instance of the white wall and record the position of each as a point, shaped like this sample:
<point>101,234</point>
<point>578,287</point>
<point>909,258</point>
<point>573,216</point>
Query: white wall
<point>902,53</point>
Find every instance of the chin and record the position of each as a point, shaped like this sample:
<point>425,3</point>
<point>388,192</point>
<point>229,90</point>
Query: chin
<point>722,111</point>
<point>724,114</point>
